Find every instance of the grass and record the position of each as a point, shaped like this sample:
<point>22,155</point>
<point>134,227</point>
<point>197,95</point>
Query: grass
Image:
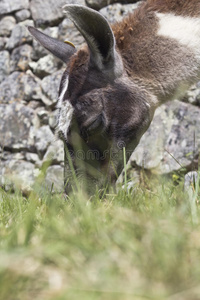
<point>141,244</point>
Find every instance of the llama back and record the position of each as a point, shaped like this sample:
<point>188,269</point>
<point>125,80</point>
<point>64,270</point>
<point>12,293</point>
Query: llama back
<point>159,43</point>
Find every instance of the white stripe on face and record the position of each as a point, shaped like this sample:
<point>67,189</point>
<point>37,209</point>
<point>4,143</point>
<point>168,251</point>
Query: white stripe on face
<point>65,111</point>
<point>62,94</point>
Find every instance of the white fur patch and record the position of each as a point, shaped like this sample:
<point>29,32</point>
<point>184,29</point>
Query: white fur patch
<point>62,94</point>
<point>65,111</point>
<point>186,30</point>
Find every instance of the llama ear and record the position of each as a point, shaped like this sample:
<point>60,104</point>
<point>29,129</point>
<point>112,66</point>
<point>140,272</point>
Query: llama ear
<point>97,33</point>
<point>60,49</point>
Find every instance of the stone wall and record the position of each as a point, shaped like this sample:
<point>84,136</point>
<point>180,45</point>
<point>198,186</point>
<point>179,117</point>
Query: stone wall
<point>29,82</point>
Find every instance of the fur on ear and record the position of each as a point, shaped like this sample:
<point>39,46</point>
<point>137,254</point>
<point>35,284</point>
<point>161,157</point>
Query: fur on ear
<point>58,48</point>
<point>97,33</point>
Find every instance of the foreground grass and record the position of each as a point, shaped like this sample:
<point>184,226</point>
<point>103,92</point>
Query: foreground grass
<point>143,244</point>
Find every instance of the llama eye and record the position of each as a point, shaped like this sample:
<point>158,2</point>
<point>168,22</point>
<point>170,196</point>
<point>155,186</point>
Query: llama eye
<point>94,128</point>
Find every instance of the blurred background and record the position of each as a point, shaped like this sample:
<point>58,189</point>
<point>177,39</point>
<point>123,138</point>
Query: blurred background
<point>29,83</point>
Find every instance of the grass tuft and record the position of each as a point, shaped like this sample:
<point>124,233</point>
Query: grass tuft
<point>130,244</point>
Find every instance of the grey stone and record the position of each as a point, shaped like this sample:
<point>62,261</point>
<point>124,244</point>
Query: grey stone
<point>19,173</point>
<point>20,35</point>
<point>20,58</point>
<point>46,101</point>
<point>9,6</point>
<point>50,14</point>
<point>98,4</point>
<point>50,86</point>
<point>11,89</point>
<point>22,15</point>
<point>117,12</point>
<point>33,158</point>
<point>43,116</point>
<point>18,86</point>
<point>4,64</point>
<point>45,66</point>
<point>3,41</point>
<point>52,31</point>
<point>55,152</point>
<point>31,87</point>
<point>54,178</point>
<point>16,120</point>
<point>53,119</point>
<point>34,104</point>
<point>43,138</point>
<point>172,141</point>
<point>6,25</point>
<point>7,155</point>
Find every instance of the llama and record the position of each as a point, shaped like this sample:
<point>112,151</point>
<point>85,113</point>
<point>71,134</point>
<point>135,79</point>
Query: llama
<point>113,84</point>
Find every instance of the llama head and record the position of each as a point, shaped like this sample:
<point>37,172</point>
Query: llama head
<point>101,110</point>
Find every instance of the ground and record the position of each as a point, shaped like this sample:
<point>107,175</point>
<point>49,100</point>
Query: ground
<point>136,244</point>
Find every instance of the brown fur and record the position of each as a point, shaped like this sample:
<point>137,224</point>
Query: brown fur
<point>189,8</point>
<point>144,53</point>
<point>140,23</point>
